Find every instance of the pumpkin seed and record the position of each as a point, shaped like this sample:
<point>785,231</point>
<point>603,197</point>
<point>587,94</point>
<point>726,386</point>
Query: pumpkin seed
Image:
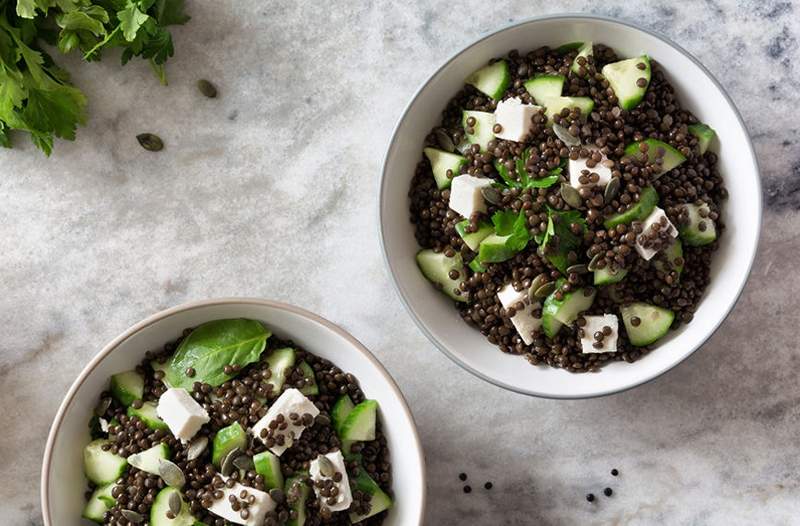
<point>150,142</point>
<point>545,290</point>
<point>580,268</point>
<point>612,189</point>
<point>132,516</point>
<point>171,473</point>
<point>196,447</point>
<point>243,462</point>
<point>492,195</point>
<point>537,282</point>
<point>565,136</point>
<point>571,196</point>
<point>326,467</point>
<point>444,140</point>
<point>226,467</point>
<point>102,406</point>
<point>592,266</point>
<point>207,88</point>
<point>175,502</point>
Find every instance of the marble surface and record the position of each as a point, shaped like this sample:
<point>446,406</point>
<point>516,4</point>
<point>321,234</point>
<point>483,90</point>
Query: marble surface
<point>269,191</point>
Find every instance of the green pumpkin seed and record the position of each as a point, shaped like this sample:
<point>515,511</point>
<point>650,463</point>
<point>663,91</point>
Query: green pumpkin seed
<point>537,282</point>
<point>326,467</point>
<point>132,516</point>
<point>565,136</point>
<point>226,467</point>
<point>102,406</point>
<point>444,140</point>
<point>196,447</point>
<point>243,462</point>
<point>170,473</point>
<point>592,266</point>
<point>580,268</point>
<point>545,290</point>
<point>207,88</point>
<point>612,189</point>
<point>571,196</point>
<point>175,503</point>
<point>492,195</point>
<point>150,142</point>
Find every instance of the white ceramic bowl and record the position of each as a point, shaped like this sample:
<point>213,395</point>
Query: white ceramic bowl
<point>63,483</point>
<point>697,90</point>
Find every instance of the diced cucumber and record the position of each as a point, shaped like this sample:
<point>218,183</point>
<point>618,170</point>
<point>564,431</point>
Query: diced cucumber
<point>127,387</point>
<point>297,492</point>
<point>648,199</point>
<point>482,131</point>
<point>554,105</point>
<point>624,78</point>
<point>654,322</point>
<point>99,503</point>
<point>379,500</point>
<point>268,465</point>
<point>280,361</point>
<point>493,80</point>
<point>494,249</point>
<point>160,508</point>
<point>102,467</point>
<point>700,230</point>
<point>671,158</point>
<point>341,409</point>
<point>148,459</point>
<point>473,239</point>
<point>148,414</point>
<point>704,133</point>
<point>543,87</point>
<point>226,440</point>
<point>476,265</point>
<point>441,163</point>
<point>563,49</point>
<point>161,367</point>
<point>436,267</point>
<point>586,50</point>
<point>360,423</point>
<point>311,387</point>
<point>665,261</point>
<point>556,313</point>
<point>607,275</point>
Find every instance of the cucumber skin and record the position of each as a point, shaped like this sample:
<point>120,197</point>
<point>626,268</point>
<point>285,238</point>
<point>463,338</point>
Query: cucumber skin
<point>631,103</point>
<point>273,479</point>
<point>539,86</point>
<point>552,307</point>
<point>300,504</point>
<point>101,497</point>
<point>473,239</point>
<point>500,67</point>
<point>672,157</point>
<point>480,137</point>
<point>226,440</point>
<point>491,250</point>
<point>308,372</point>
<point>439,165</point>
<point>586,50</point>
<point>158,512</point>
<point>121,388</point>
<point>457,264</point>
<point>642,335</point>
<point>344,406</point>
<point>704,133</point>
<point>584,104</point>
<point>162,452</point>
<point>675,250</point>
<point>151,420</point>
<point>648,199</point>
<point>353,428</point>
<point>604,277</point>
<point>379,500</point>
<point>691,234</point>
<point>90,458</point>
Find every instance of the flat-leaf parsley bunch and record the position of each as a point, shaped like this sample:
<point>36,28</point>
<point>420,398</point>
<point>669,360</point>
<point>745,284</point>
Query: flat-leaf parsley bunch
<point>35,94</point>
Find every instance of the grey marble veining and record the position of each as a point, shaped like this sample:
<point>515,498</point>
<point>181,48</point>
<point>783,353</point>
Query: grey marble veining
<point>269,190</point>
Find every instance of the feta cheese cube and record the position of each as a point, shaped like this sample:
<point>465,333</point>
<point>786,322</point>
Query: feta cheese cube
<point>597,324</point>
<point>257,511</point>
<point>523,320</point>
<point>514,118</point>
<point>466,196</point>
<point>182,414</point>
<point>343,498</point>
<point>287,430</point>
<point>578,167</point>
<point>657,234</point>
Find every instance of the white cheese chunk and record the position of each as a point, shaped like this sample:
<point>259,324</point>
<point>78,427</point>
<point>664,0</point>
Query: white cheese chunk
<point>597,324</point>
<point>656,222</point>
<point>290,402</point>
<point>523,320</point>
<point>578,167</point>
<point>514,119</point>
<point>343,498</point>
<point>182,414</point>
<point>255,511</point>
<point>466,196</point>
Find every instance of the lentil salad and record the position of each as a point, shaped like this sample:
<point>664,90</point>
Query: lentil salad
<point>231,425</point>
<point>569,205</point>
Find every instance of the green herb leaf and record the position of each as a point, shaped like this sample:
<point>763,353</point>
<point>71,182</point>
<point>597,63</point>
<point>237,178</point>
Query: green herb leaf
<point>131,20</point>
<point>170,12</point>
<point>544,182</point>
<point>212,346</point>
<point>507,223</point>
<point>558,239</point>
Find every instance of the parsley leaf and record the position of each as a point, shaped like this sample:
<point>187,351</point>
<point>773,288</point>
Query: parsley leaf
<point>507,223</point>
<point>524,180</point>
<point>558,239</point>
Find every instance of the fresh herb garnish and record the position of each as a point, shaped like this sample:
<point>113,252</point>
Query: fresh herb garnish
<point>507,223</point>
<point>524,180</point>
<point>559,239</point>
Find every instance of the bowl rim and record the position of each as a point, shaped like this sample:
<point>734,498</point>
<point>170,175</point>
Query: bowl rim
<point>166,313</point>
<point>565,17</point>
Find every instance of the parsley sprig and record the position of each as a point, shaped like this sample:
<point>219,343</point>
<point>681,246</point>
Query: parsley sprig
<point>559,239</point>
<point>524,180</point>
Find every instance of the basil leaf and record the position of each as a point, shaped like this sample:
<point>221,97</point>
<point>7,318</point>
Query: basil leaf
<point>212,346</point>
